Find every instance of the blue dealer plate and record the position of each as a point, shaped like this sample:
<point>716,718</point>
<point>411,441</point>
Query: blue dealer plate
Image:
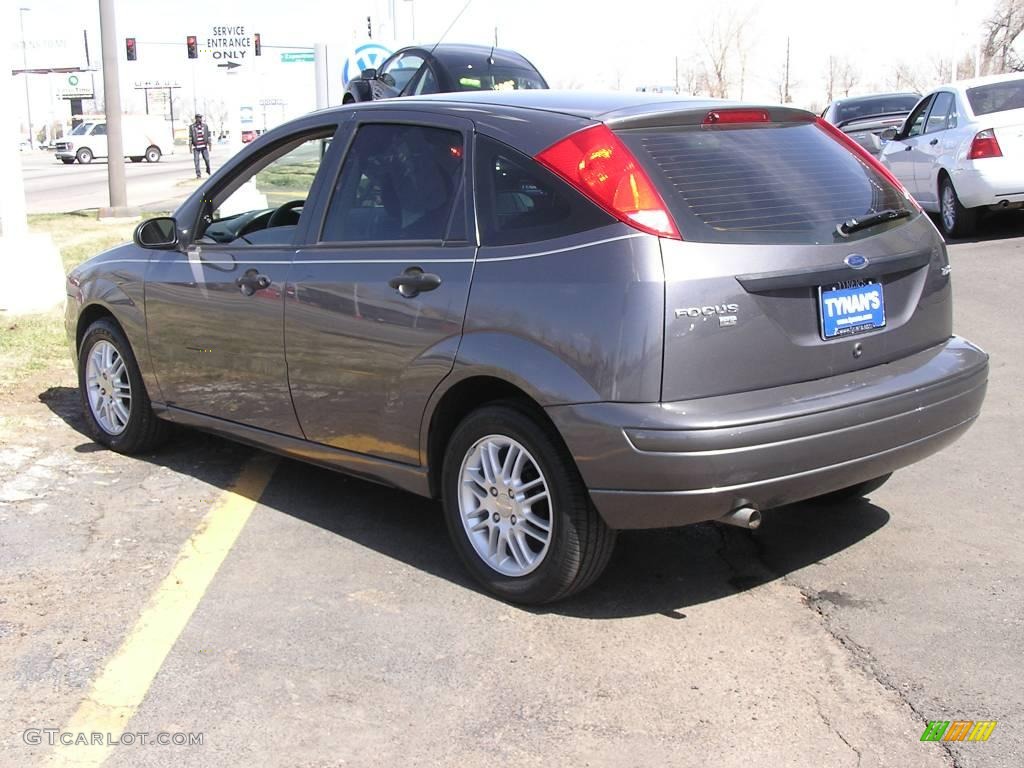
<point>851,307</point>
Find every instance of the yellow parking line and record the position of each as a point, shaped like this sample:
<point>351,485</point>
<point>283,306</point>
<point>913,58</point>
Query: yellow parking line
<point>125,680</point>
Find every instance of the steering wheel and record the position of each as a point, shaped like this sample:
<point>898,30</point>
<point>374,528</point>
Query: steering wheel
<point>278,217</point>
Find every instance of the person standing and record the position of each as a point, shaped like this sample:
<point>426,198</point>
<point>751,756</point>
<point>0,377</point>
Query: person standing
<point>199,143</point>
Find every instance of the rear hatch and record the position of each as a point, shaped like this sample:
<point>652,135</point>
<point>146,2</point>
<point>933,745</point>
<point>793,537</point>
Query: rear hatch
<point>763,290</point>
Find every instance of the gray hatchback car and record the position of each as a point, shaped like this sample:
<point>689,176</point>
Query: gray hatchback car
<point>561,314</point>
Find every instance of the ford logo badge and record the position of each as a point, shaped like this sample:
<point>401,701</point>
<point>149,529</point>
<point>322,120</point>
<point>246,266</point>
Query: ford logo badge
<point>856,261</point>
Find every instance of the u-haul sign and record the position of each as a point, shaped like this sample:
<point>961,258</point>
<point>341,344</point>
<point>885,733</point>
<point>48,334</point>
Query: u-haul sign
<point>228,42</point>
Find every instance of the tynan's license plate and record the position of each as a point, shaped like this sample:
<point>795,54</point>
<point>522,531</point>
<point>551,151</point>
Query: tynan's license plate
<point>853,306</point>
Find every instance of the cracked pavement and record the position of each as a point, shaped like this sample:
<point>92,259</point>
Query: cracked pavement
<point>341,630</point>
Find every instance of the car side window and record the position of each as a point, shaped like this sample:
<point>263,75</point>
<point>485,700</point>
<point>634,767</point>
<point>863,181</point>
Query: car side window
<point>100,130</point>
<point>519,201</point>
<point>400,70</point>
<point>938,118</point>
<point>262,204</point>
<point>915,123</point>
<point>427,82</point>
<point>398,182</point>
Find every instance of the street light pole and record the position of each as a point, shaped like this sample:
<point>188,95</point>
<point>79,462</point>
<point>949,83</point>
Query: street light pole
<point>24,64</point>
<point>112,101</point>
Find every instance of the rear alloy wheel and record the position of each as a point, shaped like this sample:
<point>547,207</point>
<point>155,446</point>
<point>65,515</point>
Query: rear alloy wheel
<point>153,155</point>
<point>84,156</point>
<point>956,220</point>
<point>117,409</point>
<point>517,510</point>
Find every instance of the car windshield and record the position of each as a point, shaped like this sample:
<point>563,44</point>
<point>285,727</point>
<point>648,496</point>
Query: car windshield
<point>479,77</point>
<point>858,110</point>
<point>997,97</point>
<point>82,129</point>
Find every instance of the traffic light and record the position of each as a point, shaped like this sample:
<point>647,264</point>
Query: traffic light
<point>193,48</point>
<point>129,47</point>
<point>258,49</point>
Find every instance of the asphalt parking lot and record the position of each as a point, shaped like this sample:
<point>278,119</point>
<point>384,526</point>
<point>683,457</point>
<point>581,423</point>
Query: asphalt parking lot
<point>334,626</point>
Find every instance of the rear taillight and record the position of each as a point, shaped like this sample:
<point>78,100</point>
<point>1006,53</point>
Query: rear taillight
<point>985,144</point>
<point>600,166</point>
<point>865,156</point>
<point>736,116</point>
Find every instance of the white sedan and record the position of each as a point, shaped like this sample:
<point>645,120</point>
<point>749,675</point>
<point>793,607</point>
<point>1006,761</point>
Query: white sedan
<point>961,150</point>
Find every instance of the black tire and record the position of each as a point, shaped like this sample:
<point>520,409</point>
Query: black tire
<point>143,430</point>
<point>580,545</point>
<point>84,156</point>
<point>136,159</point>
<point>955,220</point>
<point>856,491</point>
<point>153,155</point>
<point>67,160</point>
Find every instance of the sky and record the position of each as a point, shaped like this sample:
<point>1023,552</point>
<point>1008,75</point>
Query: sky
<point>574,43</point>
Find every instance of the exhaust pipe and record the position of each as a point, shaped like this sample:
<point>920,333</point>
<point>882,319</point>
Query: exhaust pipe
<point>743,517</point>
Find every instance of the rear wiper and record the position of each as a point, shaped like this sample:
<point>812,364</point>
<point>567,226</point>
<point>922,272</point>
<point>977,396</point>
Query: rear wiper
<point>850,226</point>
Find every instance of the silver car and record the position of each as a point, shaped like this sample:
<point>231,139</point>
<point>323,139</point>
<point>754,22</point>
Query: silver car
<point>560,314</point>
<point>961,150</point>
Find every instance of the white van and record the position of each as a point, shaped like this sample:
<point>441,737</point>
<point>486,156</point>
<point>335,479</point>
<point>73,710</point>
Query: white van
<point>145,138</point>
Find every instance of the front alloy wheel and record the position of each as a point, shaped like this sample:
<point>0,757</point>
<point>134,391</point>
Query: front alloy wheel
<point>505,506</point>
<point>108,388</point>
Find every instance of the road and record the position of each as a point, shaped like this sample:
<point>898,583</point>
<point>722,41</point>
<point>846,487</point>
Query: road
<point>341,630</point>
<point>53,187</point>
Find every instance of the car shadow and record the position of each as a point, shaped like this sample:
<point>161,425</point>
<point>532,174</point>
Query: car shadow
<point>998,225</point>
<point>651,572</point>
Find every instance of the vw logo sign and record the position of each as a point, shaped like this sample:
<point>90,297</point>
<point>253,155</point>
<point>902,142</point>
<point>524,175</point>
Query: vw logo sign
<point>856,261</point>
<point>366,56</point>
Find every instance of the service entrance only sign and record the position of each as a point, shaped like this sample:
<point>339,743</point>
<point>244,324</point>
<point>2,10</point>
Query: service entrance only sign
<point>231,42</point>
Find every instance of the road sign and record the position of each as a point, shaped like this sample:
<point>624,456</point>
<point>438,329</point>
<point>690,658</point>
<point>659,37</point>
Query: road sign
<point>75,89</point>
<point>227,43</point>
<point>229,65</point>
<point>296,56</point>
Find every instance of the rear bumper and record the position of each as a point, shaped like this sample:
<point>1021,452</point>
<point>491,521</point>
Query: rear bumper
<point>659,465</point>
<point>989,182</point>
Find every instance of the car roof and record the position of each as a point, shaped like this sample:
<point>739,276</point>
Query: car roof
<point>458,54</point>
<point>585,104</point>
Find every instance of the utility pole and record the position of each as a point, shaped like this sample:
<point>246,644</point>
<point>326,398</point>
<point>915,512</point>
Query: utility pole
<point>677,76</point>
<point>320,75</point>
<point>786,98</point>
<point>24,64</point>
<point>112,100</point>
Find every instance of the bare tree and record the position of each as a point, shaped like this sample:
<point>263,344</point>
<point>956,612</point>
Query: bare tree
<point>848,77</point>
<point>784,84</point>
<point>724,36</point>
<point>1002,30</point>
<point>831,75</point>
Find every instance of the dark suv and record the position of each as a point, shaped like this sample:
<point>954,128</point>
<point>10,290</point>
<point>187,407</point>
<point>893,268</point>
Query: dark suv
<point>561,314</point>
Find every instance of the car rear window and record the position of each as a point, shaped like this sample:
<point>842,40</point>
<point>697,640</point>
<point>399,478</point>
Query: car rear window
<point>774,183</point>
<point>889,105</point>
<point>996,97</point>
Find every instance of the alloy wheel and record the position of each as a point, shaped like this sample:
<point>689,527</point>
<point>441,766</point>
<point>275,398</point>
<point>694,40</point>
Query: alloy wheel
<point>108,387</point>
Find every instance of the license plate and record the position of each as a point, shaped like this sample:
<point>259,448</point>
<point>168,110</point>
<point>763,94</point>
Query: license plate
<point>851,307</point>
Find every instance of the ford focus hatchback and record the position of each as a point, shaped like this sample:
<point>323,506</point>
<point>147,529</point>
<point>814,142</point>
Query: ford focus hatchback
<point>562,315</point>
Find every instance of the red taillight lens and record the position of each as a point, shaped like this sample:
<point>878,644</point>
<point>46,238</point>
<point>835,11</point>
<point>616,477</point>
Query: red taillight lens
<point>985,145</point>
<point>598,164</point>
<point>865,156</point>
<point>734,116</point>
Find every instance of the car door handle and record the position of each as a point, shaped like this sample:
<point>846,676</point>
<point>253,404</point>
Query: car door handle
<point>933,142</point>
<point>251,282</point>
<point>414,281</point>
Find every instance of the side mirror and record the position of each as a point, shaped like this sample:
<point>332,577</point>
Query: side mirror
<point>159,234</point>
<point>369,74</point>
<point>889,134</point>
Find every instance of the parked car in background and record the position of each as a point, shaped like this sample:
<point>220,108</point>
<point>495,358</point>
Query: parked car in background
<point>562,314</point>
<point>961,150</point>
<point>445,69</point>
<point>143,138</point>
<point>866,117</point>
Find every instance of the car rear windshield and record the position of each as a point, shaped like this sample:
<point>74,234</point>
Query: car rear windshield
<point>996,97</point>
<point>481,77</point>
<point>858,110</point>
<point>775,183</point>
